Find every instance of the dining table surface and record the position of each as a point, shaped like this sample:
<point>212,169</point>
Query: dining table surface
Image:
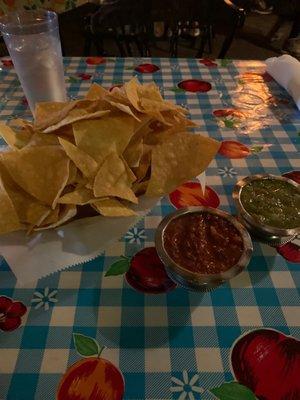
<point>173,344</point>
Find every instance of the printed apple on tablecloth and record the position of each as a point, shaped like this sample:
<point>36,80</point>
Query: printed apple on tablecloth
<point>95,60</point>
<point>93,377</point>
<point>191,194</point>
<point>146,68</point>
<point>266,365</point>
<point>144,272</point>
<point>10,314</point>
<point>236,150</point>
<point>291,251</point>
<point>194,86</point>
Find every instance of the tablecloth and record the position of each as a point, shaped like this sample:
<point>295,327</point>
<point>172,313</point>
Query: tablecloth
<point>173,345</point>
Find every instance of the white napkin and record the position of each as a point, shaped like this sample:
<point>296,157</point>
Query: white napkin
<point>286,71</point>
<point>33,257</point>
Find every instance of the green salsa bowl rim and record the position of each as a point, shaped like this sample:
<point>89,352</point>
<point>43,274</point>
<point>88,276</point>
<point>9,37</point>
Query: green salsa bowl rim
<point>266,229</point>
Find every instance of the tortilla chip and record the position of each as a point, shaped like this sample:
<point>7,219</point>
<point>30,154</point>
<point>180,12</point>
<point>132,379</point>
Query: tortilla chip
<point>181,157</point>
<point>63,109</point>
<point>129,172</point>
<point>43,139</point>
<point>46,109</point>
<point>40,171</point>
<point>133,153</point>
<point>118,95</point>
<point>96,92</point>
<point>67,212</point>
<point>131,90</point>
<point>123,108</point>
<point>51,218</point>
<point>149,91</point>
<point>100,137</point>
<point>112,179</point>
<point>151,105</point>
<point>112,208</point>
<point>144,164</point>
<point>15,139</point>
<point>29,210</point>
<point>79,196</point>
<point>140,188</point>
<point>75,115</point>
<point>72,174</point>
<point>9,220</point>
<point>86,164</point>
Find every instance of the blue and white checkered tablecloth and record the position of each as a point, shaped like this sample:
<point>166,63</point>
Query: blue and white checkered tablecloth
<point>181,338</point>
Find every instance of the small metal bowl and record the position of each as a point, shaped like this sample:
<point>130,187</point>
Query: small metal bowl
<point>263,233</point>
<point>192,280</point>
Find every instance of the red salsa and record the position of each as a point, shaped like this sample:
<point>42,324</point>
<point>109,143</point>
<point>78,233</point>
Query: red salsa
<point>203,242</point>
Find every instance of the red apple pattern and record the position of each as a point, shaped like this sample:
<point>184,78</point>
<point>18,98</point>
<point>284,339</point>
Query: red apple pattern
<point>290,251</point>
<point>7,62</point>
<point>194,86</point>
<point>147,273</point>
<point>233,149</point>
<point>84,77</point>
<point>268,363</point>
<point>190,194</point>
<point>294,175</point>
<point>210,63</point>
<point>92,377</point>
<point>146,68</point>
<point>95,60</point>
<point>144,272</point>
<point>10,313</point>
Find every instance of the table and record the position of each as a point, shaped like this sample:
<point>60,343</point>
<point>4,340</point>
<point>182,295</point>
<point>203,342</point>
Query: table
<point>174,345</point>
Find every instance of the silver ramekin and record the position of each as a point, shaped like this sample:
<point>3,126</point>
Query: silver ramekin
<point>192,280</point>
<point>263,233</point>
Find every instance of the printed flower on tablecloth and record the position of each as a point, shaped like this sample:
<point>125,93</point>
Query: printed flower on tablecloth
<point>135,235</point>
<point>186,388</point>
<point>225,172</point>
<point>10,313</point>
<point>44,298</point>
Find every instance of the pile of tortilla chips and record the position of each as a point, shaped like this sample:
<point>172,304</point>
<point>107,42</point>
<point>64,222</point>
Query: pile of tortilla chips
<point>101,152</point>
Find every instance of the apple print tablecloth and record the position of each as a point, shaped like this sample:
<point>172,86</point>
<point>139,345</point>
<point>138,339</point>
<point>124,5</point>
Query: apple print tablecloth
<point>173,344</point>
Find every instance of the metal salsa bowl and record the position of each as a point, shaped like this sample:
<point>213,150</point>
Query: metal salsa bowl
<point>193,280</point>
<point>264,233</point>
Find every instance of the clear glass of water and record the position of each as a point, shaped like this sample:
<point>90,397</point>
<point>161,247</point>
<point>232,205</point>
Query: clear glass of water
<point>32,39</point>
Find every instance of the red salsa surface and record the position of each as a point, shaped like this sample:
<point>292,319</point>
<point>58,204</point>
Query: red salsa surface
<point>203,242</point>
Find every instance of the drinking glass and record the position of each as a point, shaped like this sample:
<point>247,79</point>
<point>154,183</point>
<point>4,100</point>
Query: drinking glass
<point>32,39</point>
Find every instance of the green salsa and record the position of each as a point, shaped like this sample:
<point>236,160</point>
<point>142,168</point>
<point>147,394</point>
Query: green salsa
<point>272,202</point>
